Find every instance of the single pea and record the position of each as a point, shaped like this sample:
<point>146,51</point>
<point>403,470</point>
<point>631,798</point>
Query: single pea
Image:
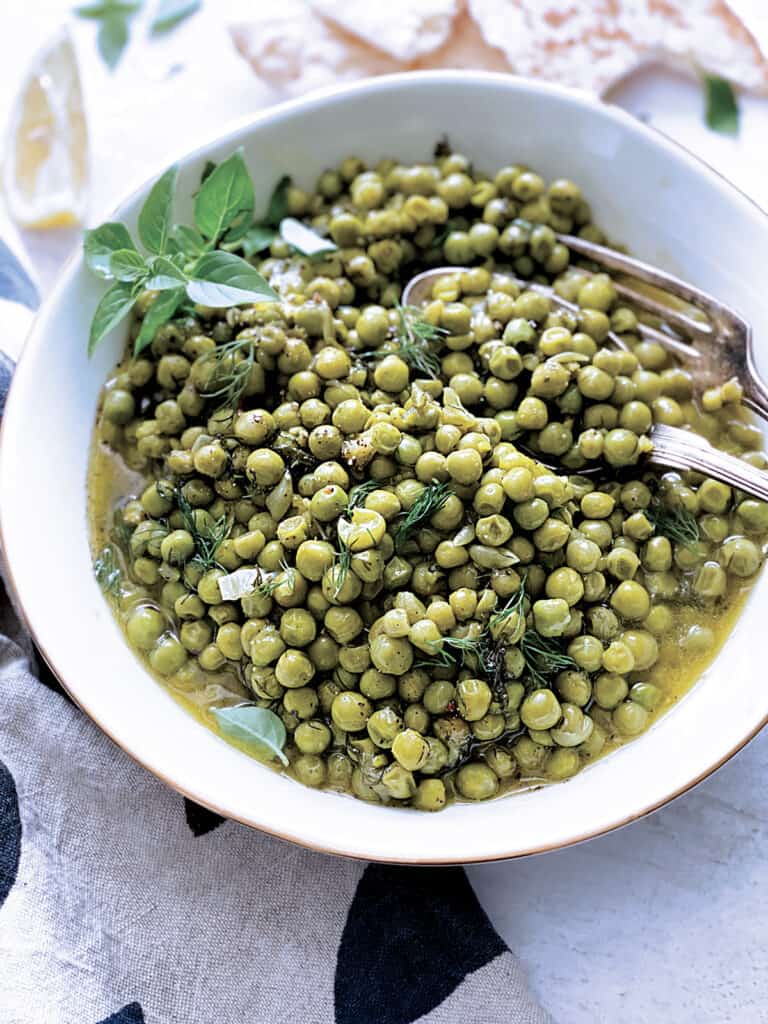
<point>119,406</point>
<point>473,697</point>
<point>145,626</point>
<point>476,781</point>
<point>540,710</point>
<point>410,749</point>
<point>609,689</point>
<point>350,711</point>
<point>630,718</point>
<point>167,656</point>
<point>430,795</point>
<point>312,737</point>
<point>631,600</point>
<point>383,726</point>
<point>265,467</point>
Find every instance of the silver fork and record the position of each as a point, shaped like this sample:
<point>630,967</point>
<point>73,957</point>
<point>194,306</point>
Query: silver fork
<point>715,349</point>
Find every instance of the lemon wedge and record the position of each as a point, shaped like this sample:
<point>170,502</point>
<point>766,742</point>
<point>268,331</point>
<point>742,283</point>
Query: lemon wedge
<point>45,172</point>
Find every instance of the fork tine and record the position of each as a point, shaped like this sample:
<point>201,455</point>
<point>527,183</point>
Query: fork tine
<point>645,272</point>
<point>670,342</point>
<point>689,326</point>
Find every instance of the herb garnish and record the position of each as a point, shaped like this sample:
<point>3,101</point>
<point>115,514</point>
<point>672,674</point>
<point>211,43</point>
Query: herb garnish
<point>207,538</point>
<point>544,657</point>
<point>340,568</point>
<point>431,500</point>
<point>454,650</point>
<point>231,375</point>
<point>114,18</point>
<point>415,338</point>
<point>269,584</point>
<point>722,109</point>
<point>359,493</point>
<point>514,606</point>
<point>678,524</point>
<point>108,573</point>
<point>257,728</point>
<point>179,260</point>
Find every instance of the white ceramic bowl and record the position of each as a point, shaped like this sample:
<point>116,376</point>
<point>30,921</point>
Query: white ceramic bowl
<point>667,206</point>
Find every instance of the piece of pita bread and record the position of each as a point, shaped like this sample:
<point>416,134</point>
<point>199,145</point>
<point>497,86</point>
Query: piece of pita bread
<point>295,50</point>
<point>593,45</point>
<point>403,29</point>
<point>302,44</point>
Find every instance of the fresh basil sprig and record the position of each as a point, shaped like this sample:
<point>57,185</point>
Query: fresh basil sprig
<point>277,224</point>
<point>179,260</point>
<point>114,18</point>
<point>258,729</point>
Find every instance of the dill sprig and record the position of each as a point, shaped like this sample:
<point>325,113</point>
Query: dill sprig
<point>107,571</point>
<point>269,584</point>
<point>359,493</point>
<point>340,568</point>
<point>453,651</point>
<point>514,606</point>
<point>207,538</point>
<point>431,500</point>
<point>544,657</point>
<point>415,341</point>
<point>678,524</point>
<point>231,375</point>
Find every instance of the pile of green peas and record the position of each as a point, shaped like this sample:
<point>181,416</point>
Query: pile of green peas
<point>373,646</point>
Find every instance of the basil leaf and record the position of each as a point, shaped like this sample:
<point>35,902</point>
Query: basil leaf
<point>127,265</point>
<point>115,305</point>
<point>171,13</point>
<point>159,313</point>
<point>100,243</point>
<point>257,239</point>
<point>304,239</point>
<point>103,10</point>
<point>259,729</point>
<point>165,274</point>
<point>155,216</point>
<point>189,240</point>
<point>278,203</point>
<point>222,279</point>
<point>112,38</point>
<point>208,169</point>
<point>722,112</point>
<point>225,196</point>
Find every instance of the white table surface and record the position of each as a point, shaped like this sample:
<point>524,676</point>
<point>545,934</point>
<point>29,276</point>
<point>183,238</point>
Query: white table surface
<point>664,921</point>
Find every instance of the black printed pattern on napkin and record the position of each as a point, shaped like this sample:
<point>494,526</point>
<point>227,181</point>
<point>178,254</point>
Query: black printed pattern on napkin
<point>200,819</point>
<point>10,832</point>
<point>411,937</point>
<point>130,1014</point>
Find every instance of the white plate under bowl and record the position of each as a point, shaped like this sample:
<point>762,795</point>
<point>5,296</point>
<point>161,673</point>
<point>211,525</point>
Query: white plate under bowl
<point>667,206</point>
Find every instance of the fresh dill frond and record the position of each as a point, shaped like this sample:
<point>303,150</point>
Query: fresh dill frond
<point>340,568</point>
<point>416,339</point>
<point>454,650</point>
<point>107,571</point>
<point>121,533</point>
<point>231,375</point>
<point>515,605</point>
<point>270,583</point>
<point>207,538</point>
<point>431,500</point>
<point>359,493</point>
<point>544,657</point>
<point>678,524</point>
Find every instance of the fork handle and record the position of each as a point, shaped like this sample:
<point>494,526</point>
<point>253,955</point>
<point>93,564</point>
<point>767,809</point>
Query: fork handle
<point>681,449</point>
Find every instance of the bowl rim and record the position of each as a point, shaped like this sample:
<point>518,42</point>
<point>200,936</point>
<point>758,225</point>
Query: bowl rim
<point>253,122</point>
